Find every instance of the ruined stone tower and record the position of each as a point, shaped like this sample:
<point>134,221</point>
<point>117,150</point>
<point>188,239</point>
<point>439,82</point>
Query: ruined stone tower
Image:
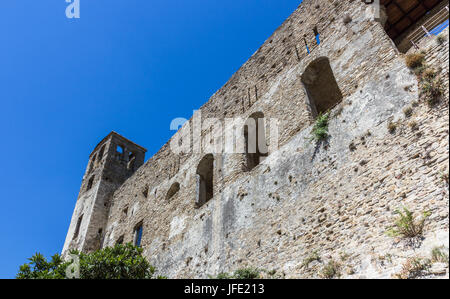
<point>112,161</point>
<point>199,213</point>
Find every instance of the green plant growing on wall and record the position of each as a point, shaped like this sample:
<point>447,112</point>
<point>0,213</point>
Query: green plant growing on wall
<point>314,256</point>
<point>408,111</point>
<point>413,125</point>
<point>414,268</point>
<point>432,90</point>
<point>246,273</point>
<point>320,130</point>
<point>119,262</point>
<point>243,273</point>
<point>415,61</point>
<point>406,225</point>
<point>441,39</point>
<point>438,255</point>
<point>392,127</point>
<point>430,83</point>
<point>331,270</point>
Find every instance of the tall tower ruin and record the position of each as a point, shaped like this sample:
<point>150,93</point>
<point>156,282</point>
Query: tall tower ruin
<point>112,161</point>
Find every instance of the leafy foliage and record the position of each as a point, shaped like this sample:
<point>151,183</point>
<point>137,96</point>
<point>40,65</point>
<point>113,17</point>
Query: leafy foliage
<point>40,268</point>
<point>406,226</point>
<point>414,268</point>
<point>320,129</point>
<point>314,256</point>
<point>119,262</point>
<point>331,270</point>
<point>246,273</point>
<point>441,39</point>
<point>438,255</point>
<point>431,84</point>
<point>432,90</point>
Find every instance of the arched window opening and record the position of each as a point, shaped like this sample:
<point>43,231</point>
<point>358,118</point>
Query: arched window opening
<point>321,87</point>
<point>255,140</point>
<point>204,180</point>
<point>173,190</point>
<point>119,152</point>
<point>306,45</point>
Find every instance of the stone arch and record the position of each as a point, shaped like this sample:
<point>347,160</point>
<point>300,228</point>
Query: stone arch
<point>321,87</point>
<point>204,180</point>
<point>173,190</point>
<point>255,140</point>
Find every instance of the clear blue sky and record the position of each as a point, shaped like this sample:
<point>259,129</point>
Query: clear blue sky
<point>126,65</point>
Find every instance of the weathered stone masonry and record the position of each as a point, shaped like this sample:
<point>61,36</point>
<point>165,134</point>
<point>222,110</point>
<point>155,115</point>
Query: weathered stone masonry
<point>336,198</point>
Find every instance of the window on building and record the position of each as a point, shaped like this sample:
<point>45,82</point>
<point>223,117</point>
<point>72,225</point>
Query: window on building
<point>255,140</point>
<point>77,228</point>
<point>306,45</point>
<point>120,240</point>
<point>321,87</point>
<point>138,234</point>
<point>204,180</point>
<point>90,183</point>
<point>173,190</point>
<point>317,35</point>
<point>120,152</point>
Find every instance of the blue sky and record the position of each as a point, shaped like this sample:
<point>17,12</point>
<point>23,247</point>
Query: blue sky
<point>126,65</point>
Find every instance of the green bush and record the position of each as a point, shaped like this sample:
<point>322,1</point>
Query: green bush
<point>244,273</point>
<point>119,262</point>
<point>413,268</point>
<point>406,225</point>
<point>314,256</point>
<point>320,129</point>
<point>432,90</point>
<point>40,268</point>
<point>331,270</point>
<point>438,255</point>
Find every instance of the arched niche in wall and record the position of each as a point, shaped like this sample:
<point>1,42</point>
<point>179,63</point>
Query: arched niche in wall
<point>204,180</point>
<point>256,149</point>
<point>321,87</point>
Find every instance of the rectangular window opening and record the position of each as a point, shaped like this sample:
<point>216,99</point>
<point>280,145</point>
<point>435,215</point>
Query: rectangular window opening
<point>77,228</point>
<point>138,235</point>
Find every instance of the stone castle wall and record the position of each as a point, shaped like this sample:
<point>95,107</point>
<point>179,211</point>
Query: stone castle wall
<point>337,198</point>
